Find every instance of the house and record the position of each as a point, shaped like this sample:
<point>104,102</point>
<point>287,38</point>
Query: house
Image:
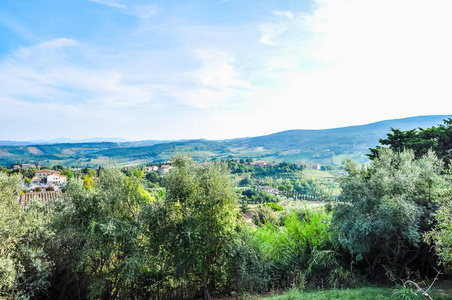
<point>30,166</point>
<point>16,167</point>
<point>165,169</point>
<point>56,178</point>
<point>151,169</point>
<point>44,173</point>
<point>259,163</point>
<point>316,166</point>
<point>267,189</point>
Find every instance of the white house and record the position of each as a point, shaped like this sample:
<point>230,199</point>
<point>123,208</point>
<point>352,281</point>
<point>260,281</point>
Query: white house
<point>268,189</point>
<point>316,166</point>
<point>259,163</point>
<point>56,178</point>
<point>164,169</point>
<point>151,169</point>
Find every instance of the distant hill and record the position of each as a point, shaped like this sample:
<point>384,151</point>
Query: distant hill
<point>358,136</point>
<point>326,146</point>
<point>61,141</point>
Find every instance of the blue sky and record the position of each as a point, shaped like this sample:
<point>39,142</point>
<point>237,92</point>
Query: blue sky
<point>218,69</point>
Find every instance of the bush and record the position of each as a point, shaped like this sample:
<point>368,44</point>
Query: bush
<point>301,252</point>
<point>264,215</point>
<point>274,206</point>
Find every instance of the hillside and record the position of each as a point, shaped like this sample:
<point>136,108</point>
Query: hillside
<point>328,146</point>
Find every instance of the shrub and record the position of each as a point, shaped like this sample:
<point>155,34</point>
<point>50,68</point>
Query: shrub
<point>274,206</point>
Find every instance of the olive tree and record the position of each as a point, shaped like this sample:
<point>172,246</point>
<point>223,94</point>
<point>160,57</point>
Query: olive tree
<point>200,218</point>
<point>98,246</point>
<point>25,267</point>
<point>385,208</point>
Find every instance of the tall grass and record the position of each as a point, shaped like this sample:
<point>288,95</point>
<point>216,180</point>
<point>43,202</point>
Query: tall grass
<point>301,253</point>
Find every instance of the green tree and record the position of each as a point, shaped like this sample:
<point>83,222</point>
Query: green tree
<point>439,139</point>
<point>68,173</point>
<point>384,209</point>
<point>97,250</point>
<point>152,177</point>
<point>441,235</point>
<point>244,207</point>
<point>200,205</point>
<point>25,267</point>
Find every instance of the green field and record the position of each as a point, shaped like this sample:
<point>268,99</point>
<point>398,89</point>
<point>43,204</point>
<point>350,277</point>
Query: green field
<point>443,292</point>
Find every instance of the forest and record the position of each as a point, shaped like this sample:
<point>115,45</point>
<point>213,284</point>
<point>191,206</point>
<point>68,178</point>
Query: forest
<point>113,236</point>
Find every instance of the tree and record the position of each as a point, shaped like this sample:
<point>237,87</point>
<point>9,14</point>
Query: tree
<point>68,173</point>
<point>200,211</point>
<point>152,177</point>
<point>439,139</point>
<point>384,209</point>
<point>24,265</point>
<point>244,207</point>
<point>98,246</point>
<point>441,235</point>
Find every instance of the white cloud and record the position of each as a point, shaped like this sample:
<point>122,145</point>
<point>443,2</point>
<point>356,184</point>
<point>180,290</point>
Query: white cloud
<point>368,61</point>
<point>111,3</point>
<point>51,45</point>
<point>269,32</point>
<point>287,14</point>
<point>218,71</point>
<point>216,83</point>
<point>145,11</point>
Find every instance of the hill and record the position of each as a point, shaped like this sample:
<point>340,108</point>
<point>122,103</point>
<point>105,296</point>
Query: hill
<point>327,146</point>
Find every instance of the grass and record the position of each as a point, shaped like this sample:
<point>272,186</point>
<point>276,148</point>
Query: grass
<point>365,293</point>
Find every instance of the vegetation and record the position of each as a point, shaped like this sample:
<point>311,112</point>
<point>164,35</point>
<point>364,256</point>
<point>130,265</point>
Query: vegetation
<point>385,208</point>
<point>123,234</point>
<point>420,141</point>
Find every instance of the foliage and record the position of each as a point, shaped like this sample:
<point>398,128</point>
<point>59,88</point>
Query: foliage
<point>263,215</point>
<point>244,207</point>
<point>439,139</point>
<point>98,244</point>
<point>301,252</point>
<point>441,235</point>
<point>198,220</point>
<point>274,206</point>
<point>406,293</point>
<point>24,265</point>
<point>261,197</point>
<point>384,209</point>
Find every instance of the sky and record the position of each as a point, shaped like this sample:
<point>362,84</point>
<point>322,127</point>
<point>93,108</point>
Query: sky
<point>218,69</point>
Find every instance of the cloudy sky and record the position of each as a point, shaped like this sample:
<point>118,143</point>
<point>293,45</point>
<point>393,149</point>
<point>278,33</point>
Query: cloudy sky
<point>218,69</point>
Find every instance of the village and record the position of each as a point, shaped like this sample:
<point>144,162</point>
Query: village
<point>48,183</point>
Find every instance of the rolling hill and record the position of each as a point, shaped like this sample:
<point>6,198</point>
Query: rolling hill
<point>327,146</point>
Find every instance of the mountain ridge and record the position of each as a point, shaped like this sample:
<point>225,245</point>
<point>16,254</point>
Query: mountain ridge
<point>324,146</point>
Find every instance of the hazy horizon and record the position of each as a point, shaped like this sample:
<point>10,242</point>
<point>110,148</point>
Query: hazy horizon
<point>161,70</point>
<point>122,139</point>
